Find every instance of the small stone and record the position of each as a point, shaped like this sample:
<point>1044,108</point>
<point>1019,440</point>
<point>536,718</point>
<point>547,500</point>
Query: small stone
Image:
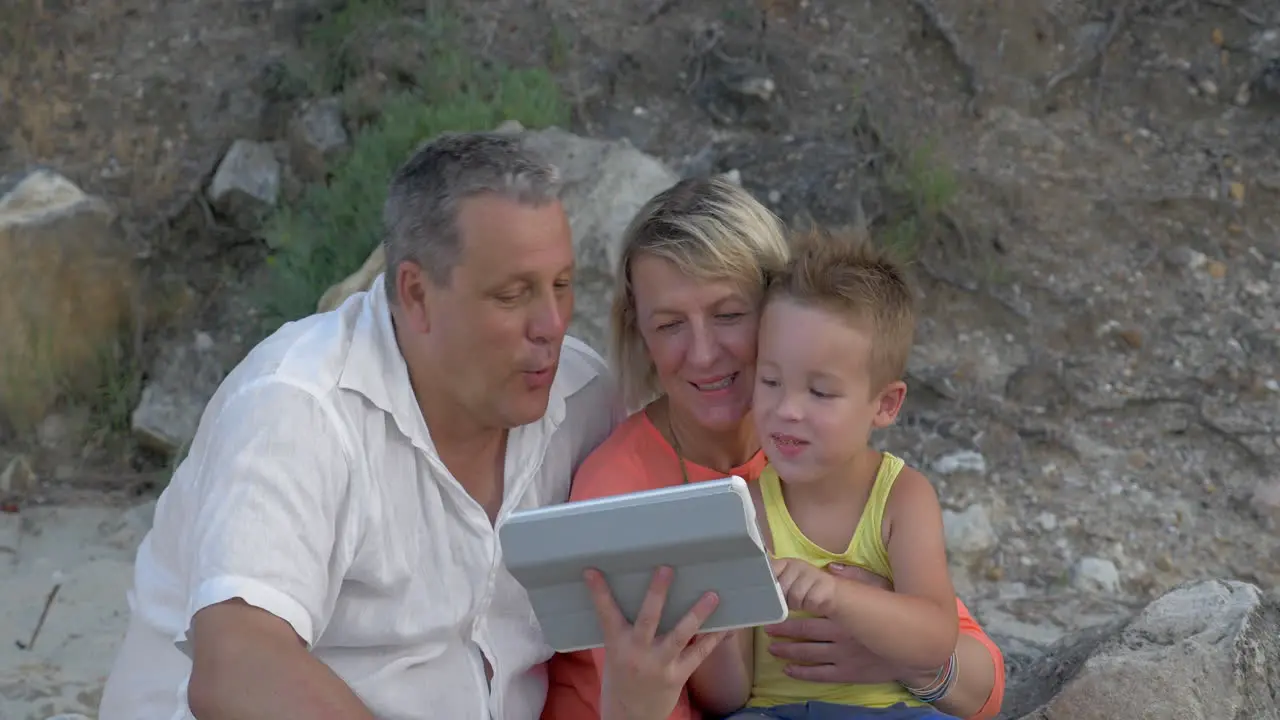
<point>1217,38</point>
<point>1164,563</point>
<point>1094,574</point>
<point>961,461</point>
<point>509,127</point>
<point>969,532</point>
<point>775,197</point>
<point>734,176</point>
<point>1209,87</point>
<point>1183,256</point>
<point>1013,591</point>
<point>18,478</point>
<point>1243,94</point>
<point>62,429</point>
<point>1216,269</point>
<point>1138,460</point>
<point>1048,521</point>
<point>1236,189</point>
<point>1131,337</point>
<point>1257,288</point>
<point>1266,503</point>
<point>995,573</point>
<point>757,86</point>
<point>317,137</point>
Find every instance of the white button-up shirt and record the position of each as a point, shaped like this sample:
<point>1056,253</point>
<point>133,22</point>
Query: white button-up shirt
<point>313,491</point>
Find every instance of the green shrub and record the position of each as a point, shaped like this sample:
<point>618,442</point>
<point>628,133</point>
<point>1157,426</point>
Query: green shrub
<point>327,234</point>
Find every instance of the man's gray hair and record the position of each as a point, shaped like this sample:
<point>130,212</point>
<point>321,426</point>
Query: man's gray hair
<point>420,217</point>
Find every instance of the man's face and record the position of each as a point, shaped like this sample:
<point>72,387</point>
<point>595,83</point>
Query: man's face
<point>497,327</point>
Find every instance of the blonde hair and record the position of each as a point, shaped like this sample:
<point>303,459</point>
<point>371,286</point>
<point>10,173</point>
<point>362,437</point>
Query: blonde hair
<point>844,272</point>
<point>710,229</point>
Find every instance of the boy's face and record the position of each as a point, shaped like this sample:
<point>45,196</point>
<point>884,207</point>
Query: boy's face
<point>814,404</point>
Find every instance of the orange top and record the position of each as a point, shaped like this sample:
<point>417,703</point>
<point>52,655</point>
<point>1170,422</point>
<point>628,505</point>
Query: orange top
<point>634,458</point>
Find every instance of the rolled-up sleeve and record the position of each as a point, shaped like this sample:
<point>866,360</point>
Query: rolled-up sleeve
<point>273,495</point>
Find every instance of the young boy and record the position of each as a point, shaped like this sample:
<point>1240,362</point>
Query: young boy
<point>835,334</point>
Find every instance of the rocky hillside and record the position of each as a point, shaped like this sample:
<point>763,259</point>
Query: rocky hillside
<point>1096,388</point>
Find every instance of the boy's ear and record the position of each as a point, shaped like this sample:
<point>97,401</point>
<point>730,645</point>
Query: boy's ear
<point>889,404</point>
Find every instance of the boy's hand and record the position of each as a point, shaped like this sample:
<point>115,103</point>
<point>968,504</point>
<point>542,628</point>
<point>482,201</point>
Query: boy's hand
<point>806,587</point>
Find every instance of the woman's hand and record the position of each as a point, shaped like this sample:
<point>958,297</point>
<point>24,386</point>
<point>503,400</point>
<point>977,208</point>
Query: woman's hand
<point>644,674</point>
<point>818,650</point>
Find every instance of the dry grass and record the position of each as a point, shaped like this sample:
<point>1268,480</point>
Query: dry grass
<point>32,74</point>
<point>64,331</point>
<point>46,83</point>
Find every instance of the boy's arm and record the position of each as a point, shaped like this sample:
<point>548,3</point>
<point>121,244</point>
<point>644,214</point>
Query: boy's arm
<point>915,624</point>
<point>722,684</point>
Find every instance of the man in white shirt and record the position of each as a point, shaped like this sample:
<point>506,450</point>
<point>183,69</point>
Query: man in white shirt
<point>327,549</point>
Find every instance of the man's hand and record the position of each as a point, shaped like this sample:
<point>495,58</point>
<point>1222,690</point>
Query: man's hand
<point>806,587</point>
<point>819,650</point>
<point>251,665</point>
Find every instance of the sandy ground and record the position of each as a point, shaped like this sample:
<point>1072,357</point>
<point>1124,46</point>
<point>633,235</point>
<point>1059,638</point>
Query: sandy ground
<point>87,554</point>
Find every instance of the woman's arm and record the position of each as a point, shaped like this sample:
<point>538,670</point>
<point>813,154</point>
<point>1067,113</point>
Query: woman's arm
<point>818,650</point>
<point>978,692</point>
<point>722,683</point>
<point>975,682</point>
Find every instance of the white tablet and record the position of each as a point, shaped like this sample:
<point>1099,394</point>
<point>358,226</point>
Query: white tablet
<point>705,531</point>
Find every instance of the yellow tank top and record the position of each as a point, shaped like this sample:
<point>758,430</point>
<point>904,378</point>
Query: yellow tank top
<point>771,685</point>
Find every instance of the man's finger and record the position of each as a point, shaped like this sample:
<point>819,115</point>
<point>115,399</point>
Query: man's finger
<point>699,650</point>
<point>805,652</point>
<point>815,629</point>
<point>684,631</point>
<point>651,608</point>
<point>611,618</point>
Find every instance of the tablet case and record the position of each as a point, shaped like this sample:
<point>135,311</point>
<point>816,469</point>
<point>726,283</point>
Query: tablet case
<point>706,531</point>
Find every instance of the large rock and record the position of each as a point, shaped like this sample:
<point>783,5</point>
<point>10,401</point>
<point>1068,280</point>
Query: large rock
<point>317,138</point>
<point>246,185</point>
<point>186,373</point>
<point>1204,651</point>
<point>66,292</point>
<point>605,183</point>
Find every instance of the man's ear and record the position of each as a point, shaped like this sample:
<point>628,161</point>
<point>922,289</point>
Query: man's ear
<point>889,404</point>
<point>414,295</point>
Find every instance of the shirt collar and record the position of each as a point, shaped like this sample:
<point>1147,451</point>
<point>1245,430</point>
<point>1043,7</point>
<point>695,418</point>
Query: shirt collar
<point>375,368</point>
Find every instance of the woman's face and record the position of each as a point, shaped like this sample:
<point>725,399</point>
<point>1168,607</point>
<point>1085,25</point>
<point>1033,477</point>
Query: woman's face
<point>701,336</point>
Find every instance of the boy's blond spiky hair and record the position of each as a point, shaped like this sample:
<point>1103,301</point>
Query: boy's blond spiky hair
<point>845,272</point>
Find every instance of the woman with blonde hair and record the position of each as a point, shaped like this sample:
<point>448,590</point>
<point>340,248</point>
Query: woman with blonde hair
<point>689,284</point>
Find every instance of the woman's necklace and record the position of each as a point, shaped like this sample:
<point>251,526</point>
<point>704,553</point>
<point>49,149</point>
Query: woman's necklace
<point>675,445</point>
